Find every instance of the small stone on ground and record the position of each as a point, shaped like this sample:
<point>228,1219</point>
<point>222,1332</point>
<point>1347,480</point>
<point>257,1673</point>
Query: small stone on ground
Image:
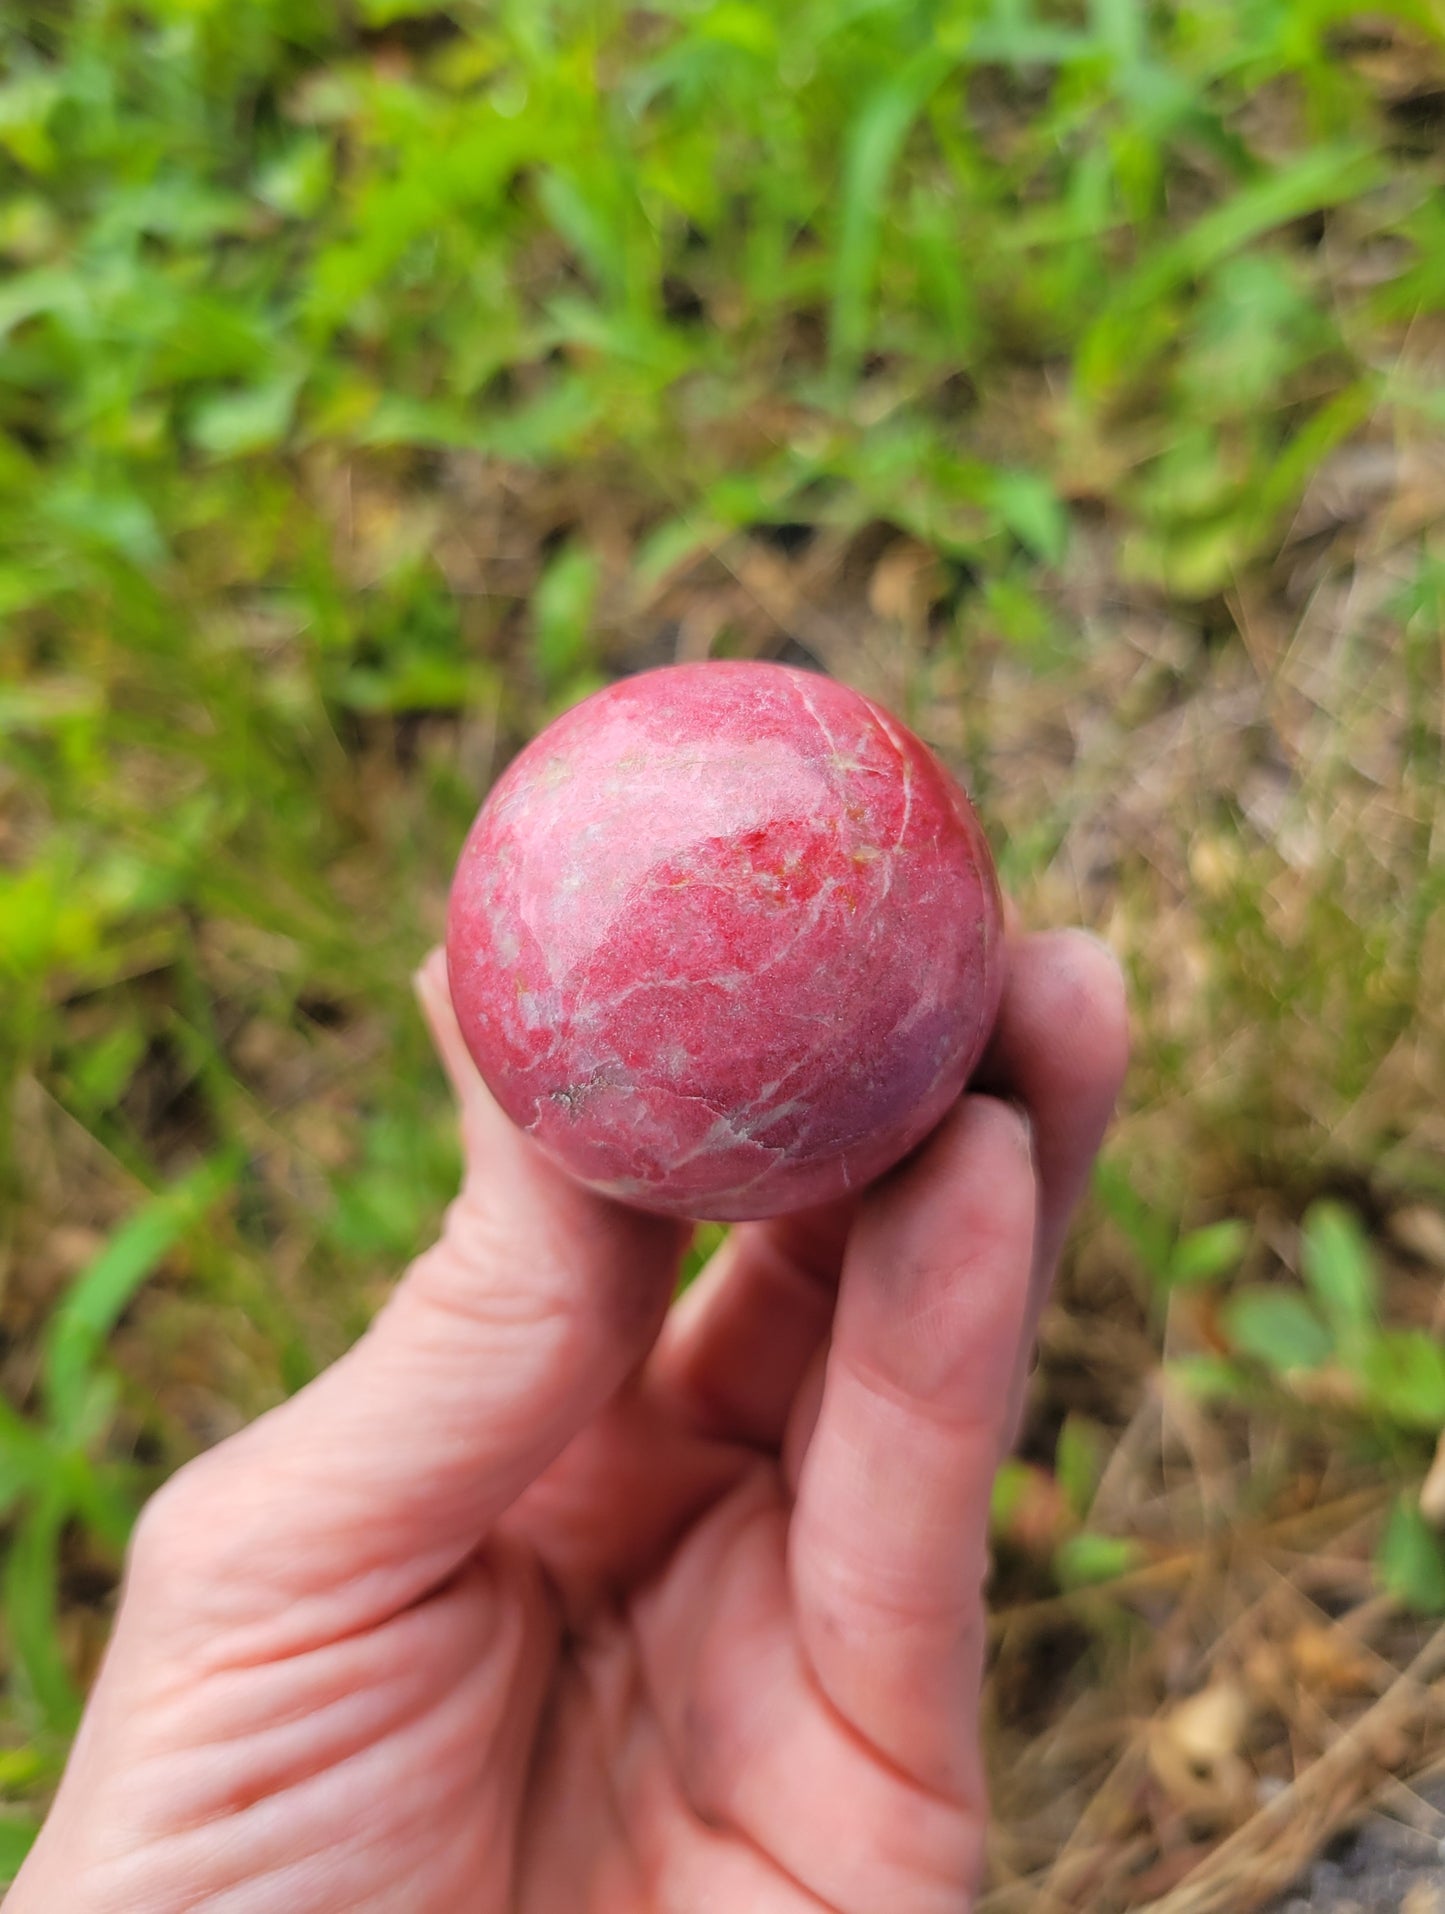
<point>1384,1868</point>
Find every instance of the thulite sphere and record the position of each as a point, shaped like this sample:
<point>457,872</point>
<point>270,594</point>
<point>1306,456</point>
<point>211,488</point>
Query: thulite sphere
<point>726,940</point>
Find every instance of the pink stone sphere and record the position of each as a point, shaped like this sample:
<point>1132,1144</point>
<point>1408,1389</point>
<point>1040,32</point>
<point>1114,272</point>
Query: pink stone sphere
<point>726,940</point>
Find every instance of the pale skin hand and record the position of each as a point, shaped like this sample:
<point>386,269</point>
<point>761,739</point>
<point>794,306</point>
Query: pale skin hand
<point>544,1599</point>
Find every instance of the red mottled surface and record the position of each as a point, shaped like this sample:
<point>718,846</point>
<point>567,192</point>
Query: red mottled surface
<point>726,940</point>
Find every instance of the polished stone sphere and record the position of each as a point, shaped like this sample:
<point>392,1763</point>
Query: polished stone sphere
<point>726,940</point>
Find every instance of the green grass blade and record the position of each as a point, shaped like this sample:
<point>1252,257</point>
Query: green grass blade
<point>1278,1328</point>
<point>1327,176</point>
<point>32,1574</point>
<point>1120,26</point>
<point>102,1292</point>
<point>1410,1560</point>
<point>874,143</point>
<point>25,1457</point>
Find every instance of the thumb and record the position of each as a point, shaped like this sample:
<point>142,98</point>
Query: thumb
<point>375,1482</point>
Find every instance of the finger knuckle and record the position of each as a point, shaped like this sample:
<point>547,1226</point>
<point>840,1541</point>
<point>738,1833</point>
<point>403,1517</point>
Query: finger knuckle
<point>175,1535</point>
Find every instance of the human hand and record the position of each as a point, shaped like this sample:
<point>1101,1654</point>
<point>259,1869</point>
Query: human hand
<point>543,1599</point>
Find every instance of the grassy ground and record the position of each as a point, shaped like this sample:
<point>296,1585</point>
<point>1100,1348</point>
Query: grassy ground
<point>375,379</point>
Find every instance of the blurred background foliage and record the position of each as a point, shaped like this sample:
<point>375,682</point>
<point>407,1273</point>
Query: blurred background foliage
<point>376,378</point>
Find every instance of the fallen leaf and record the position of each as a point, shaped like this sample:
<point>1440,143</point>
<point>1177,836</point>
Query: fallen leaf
<point>904,584</point>
<point>1328,1660</point>
<point>1194,1751</point>
<point>1420,1229</point>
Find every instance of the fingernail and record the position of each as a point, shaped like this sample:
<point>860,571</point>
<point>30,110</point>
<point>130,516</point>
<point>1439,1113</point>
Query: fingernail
<point>1026,1130</point>
<point>425,974</point>
<point>1100,942</point>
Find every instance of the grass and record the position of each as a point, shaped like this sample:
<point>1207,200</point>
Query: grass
<point>374,380</point>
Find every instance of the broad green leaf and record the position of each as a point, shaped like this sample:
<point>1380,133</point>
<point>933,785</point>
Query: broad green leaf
<point>1030,507</point>
<point>1192,561</point>
<point>1079,1462</point>
<point>564,412</point>
<point>231,424</point>
<point>175,207</point>
<point>1279,1328</point>
<point>414,684</point>
<point>101,1070</point>
<point>749,28</point>
<point>1410,1560</point>
<point>1085,1559</point>
<point>22,1768</point>
<point>1150,1234</point>
<point>295,183</point>
<point>102,1291</point>
<point>47,920</point>
<point>1339,1270</point>
<point>48,289</point>
<point>397,419</point>
<point>1010,1485</point>
<point>561,613</point>
<point>1210,1378</point>
<point>26,105</point>
<point>1404,1371</point>
<point>120,522</point>
<point>1027,1509</point>
<point>30,227</point>
<point>1207,1255</point>
<point>21,587</point>
<point>674,543</point>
